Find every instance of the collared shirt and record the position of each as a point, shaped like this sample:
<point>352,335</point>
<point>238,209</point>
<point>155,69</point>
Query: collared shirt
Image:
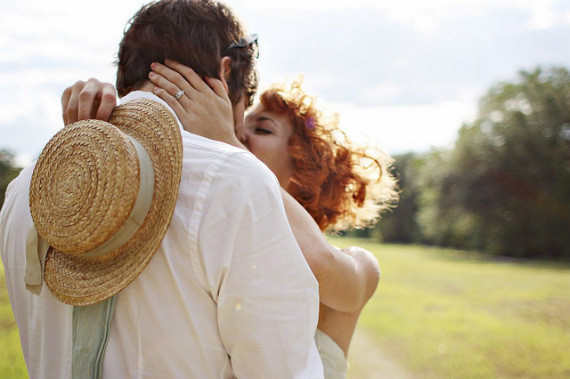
<point>228,294</point>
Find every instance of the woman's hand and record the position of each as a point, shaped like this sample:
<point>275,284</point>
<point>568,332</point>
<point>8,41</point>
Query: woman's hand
<point>204,108</point>
<point>91,99</point>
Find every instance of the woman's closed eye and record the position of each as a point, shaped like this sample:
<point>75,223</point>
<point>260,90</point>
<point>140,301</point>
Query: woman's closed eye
<point>261,130</point>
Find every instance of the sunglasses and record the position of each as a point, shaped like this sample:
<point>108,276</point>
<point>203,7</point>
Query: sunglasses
<point>250,40</point>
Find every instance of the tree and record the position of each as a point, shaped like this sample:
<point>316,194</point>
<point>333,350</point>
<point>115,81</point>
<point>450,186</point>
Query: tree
<point>7,172</point>
<point>399,225</point>
<point>442,219</point>
<point>505,187</point>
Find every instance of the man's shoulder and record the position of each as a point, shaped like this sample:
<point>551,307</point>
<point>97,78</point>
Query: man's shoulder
<point>245,168</point>
<point>191,141</point>
<point>228,161</point>
<point>239,177</point>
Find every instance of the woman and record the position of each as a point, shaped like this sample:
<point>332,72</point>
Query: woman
<point>328,183</point>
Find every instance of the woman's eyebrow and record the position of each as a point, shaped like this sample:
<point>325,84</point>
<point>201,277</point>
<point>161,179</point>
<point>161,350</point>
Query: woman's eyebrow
<point>263,118</point>
<point>259,117</point>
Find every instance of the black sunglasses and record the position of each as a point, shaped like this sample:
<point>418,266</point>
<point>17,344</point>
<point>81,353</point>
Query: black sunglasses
<point>250,40</point>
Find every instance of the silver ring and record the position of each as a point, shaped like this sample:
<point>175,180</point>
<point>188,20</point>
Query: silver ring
<point>179,94</point>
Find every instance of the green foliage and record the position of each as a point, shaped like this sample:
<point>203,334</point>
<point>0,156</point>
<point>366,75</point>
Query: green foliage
<point>442,221</point>
<point>399,225</point>
<point>505,187</point>
<point>7,172</point>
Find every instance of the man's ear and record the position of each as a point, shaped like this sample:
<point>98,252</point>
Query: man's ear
<point>225,69</point>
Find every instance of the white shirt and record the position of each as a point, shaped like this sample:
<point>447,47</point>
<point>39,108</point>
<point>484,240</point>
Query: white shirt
<point>228,294</point>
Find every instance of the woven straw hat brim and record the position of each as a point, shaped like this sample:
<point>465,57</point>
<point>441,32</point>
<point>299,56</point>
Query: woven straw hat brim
<point>80,281</point>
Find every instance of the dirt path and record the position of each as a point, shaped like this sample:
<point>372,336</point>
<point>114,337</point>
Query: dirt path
<point>367,361</point>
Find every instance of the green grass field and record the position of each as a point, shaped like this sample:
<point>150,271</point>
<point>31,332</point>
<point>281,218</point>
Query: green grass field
<point>440,314</point>
<point>12,364</point>
<point>450,314</point>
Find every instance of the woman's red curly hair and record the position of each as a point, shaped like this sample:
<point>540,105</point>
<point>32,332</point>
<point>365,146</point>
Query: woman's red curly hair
<point>339,184</point>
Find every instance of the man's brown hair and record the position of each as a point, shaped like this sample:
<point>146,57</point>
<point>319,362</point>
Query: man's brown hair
<point>192,32</point>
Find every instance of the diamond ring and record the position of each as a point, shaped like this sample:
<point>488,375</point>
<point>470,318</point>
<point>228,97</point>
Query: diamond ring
<point>179,94</point>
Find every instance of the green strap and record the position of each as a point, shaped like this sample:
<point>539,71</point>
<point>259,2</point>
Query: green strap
<point>91,326</point>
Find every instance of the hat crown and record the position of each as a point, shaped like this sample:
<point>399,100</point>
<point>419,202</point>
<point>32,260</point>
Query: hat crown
<point>84,187</point>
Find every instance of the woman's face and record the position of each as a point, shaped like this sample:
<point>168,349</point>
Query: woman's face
<point>266,134</point>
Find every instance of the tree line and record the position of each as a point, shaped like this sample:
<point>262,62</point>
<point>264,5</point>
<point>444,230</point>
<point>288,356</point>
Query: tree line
<point>8,171</point>
<point>504,188</point>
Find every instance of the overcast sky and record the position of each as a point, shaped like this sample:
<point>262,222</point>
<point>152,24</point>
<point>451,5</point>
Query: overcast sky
<point>405,74</point>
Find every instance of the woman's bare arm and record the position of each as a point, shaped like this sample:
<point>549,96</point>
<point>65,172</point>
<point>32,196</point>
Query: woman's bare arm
<point>347,278</point>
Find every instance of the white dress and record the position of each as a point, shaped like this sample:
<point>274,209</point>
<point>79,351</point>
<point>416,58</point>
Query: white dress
<point>334,362</point>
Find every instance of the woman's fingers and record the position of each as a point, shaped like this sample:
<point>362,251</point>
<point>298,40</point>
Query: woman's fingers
<point>87,98</point>
<point>170,80</point>
<point>91,99</point>
<point>218,86</point>
<point>96,100</point>
<point>180,77</point>
<point>170,100</point>
<point>164,83</point>
<point>168,92</point>
<point>70,102</point>
<point>108,102</point>
<point>190,75</point>
<point>65,97</point>
<point>176,106</point>
<point>205,109</point>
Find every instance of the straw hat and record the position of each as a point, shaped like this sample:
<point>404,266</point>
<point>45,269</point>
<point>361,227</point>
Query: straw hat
<point>102,195</point>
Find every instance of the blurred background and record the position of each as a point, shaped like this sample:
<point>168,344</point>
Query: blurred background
<point>471,98</point>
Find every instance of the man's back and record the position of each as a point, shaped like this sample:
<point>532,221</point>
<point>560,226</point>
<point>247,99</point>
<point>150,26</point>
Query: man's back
<point>228,280</point>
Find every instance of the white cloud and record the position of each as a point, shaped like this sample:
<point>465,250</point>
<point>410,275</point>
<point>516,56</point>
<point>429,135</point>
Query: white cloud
<point>541,17</point>
<point>419,91</point>
<point>424,16</point>
<point>401,129</point>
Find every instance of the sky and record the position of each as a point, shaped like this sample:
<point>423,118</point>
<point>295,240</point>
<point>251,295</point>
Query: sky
<point>404,75</point>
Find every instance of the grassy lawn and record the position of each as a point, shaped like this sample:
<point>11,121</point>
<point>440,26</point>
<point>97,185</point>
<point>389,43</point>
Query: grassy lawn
<point>11,359</point>
<point>450,314</point>
<point>440,314</point>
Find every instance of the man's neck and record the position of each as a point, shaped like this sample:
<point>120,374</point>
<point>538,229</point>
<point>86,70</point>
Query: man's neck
<point>146,87</point>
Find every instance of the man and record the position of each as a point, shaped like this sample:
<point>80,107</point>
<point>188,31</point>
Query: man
<point>228,292</point>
